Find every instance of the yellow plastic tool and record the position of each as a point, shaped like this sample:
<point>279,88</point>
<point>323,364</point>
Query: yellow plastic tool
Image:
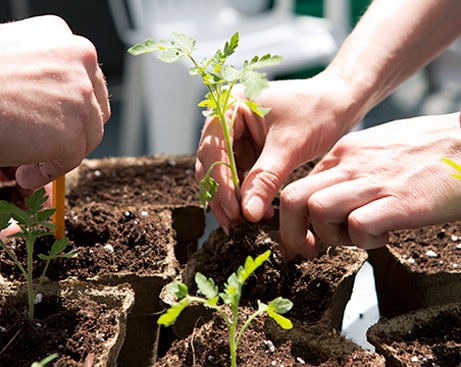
<point>58,202</point>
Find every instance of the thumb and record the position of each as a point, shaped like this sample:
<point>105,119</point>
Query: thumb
<point>33,176</point>
<point>262,183</point>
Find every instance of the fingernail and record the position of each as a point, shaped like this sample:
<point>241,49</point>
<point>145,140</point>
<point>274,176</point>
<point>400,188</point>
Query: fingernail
<point>255,207</point>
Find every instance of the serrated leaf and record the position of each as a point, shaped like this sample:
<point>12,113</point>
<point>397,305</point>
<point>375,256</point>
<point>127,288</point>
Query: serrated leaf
<point>281,320</point>
<point>45,214</point>
<point>206,286</point>
<point>35,201</point>
<point>264,61</point>
<point>231,45</point>
<point>177,289</point>
<point>254,82</point>
<point>169,317</point>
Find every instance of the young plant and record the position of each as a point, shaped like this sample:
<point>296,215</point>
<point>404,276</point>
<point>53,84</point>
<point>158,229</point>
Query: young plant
<point>219,78</point>
<point>34,222</point>
<point>230,296</point>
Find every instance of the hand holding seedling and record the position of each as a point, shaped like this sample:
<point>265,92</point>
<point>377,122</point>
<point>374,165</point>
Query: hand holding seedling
<point>231,297</point>
<point>34,222</point>
<point>219,78</point>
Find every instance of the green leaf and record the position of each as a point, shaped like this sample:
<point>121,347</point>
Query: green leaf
<point>12,211</point>
<point>35,201</point>
<point>251,265</point>
<point>45,214</point>
<point>280,305</point>
<point>256,108</point>
<point>171,55</point>
<point>177,289</point>
<point>263,61</point>
<point>58,246</point>
<point>4,220</point>
<point>230,74</point>
<point>255,82</point>
<point>281,320</point>
<point>231,45</point>
<point>169,317</point>
<point>455,165</point>
<point>232,289</point>
<point>184,43</point>
<point>206,286</point>
<point>208,189</point>
<point>144,48</point>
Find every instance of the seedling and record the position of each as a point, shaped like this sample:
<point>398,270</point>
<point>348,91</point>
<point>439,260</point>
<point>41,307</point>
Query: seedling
<point>231,296</point>
<point>34,222</point>
<point>219,78</point>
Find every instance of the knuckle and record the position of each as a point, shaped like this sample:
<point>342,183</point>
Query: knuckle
<point>54,23</point>
<point>269,181</point>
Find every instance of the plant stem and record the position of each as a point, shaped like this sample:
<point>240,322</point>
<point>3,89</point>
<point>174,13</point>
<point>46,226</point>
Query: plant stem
<point>245,325</point>
<point>232,336</point>
<point>30,286</point>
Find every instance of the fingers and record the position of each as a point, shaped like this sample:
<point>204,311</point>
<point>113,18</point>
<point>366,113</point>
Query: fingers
<point>341,212</point>
<point>264,181</point>
<point>331,207</point>
<point>96,76</point>
<point>225,205</point>
<point>33,176</point>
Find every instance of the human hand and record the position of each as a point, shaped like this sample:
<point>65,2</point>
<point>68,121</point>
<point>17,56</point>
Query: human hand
<point>54,100</point>
<point>307,117</point>
<point>376,180</point>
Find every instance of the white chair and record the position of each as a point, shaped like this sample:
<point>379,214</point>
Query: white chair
<point>168,95</point>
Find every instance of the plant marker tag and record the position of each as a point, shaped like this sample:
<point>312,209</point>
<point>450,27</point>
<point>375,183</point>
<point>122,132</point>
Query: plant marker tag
<point>58,202</point>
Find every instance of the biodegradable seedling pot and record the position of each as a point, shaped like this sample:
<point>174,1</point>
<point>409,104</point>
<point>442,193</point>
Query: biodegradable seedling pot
<point>264,344</point>
<point>131,220</point>
<point>426,337</point>
<point>78,320</point>
<point>418,268</point>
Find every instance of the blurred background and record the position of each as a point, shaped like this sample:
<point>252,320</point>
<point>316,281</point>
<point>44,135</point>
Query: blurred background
<point>112,26</point>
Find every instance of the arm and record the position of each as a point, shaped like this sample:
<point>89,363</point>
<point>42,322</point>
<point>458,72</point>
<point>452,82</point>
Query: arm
<point>392,41</point>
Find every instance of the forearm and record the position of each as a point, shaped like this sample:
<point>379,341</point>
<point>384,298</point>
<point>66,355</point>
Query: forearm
<point>393,40</point>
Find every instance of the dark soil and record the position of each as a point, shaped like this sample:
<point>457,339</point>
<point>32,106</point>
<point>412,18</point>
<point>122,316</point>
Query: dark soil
<point>431,249</point>
<point>261,346</point>
<point>76,329</point>
<point>310,285</point>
